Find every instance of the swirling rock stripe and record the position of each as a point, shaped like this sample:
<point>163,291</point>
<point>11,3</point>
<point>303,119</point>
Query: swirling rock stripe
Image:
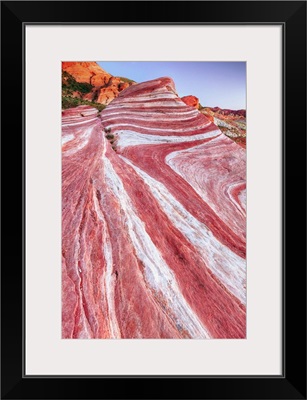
<point>153,221</point>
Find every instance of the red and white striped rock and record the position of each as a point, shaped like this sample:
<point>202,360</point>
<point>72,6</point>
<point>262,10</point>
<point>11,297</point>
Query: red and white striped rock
<point>153,232</point>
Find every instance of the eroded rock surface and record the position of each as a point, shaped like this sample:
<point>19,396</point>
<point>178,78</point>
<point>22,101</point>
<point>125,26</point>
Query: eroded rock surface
<point>153,221</point>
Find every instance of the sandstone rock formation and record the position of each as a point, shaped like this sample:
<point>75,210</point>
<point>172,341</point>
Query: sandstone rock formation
<point>89,72</point>
<point>231,122</point>
<point>105,87</point>
<point>153,221</point>
<point>232,113</point>
<point>191,101</point>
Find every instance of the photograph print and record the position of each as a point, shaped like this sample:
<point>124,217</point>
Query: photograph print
<point>153,200</point>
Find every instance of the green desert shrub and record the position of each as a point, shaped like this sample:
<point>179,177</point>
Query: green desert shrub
<point>122,78</point>
<point>70,85</point>
<point>70,102</point>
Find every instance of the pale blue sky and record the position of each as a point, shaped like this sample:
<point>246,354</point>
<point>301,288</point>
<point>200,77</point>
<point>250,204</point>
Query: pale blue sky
<point>221,84</point>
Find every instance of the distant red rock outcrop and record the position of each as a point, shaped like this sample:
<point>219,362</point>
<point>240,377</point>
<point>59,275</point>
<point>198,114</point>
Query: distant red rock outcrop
<point>225,111</point>
<point>105,86</point>
<point>231,122</point>
<point>87,72</point>
<point>191,101</point>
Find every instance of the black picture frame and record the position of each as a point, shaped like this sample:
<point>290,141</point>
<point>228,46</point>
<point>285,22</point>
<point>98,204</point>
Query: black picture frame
<point>292,383</point>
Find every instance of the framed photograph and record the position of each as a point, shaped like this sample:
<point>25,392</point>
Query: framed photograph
<point>162,149</point>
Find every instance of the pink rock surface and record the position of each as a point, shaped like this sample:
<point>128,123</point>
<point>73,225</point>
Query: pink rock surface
<point>153,229</point>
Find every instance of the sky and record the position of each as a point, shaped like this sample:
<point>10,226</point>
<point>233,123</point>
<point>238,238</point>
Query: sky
<point>221,84</point>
